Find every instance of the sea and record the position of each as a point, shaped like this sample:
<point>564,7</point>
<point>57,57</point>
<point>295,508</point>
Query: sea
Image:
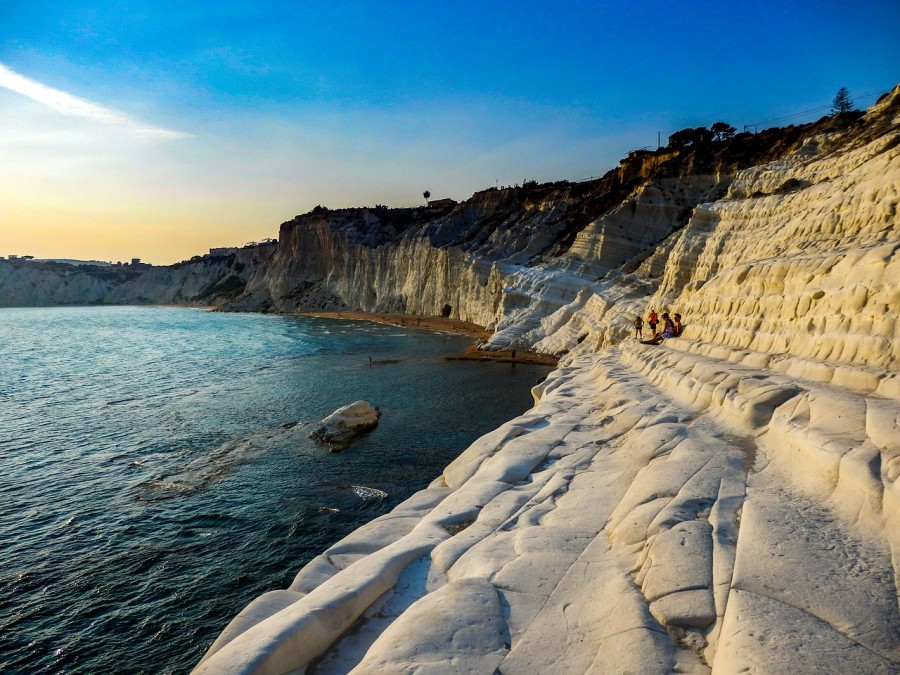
<point>156,474</point>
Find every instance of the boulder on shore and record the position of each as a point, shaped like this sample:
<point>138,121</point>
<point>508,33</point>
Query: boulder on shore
<point>345,423</point>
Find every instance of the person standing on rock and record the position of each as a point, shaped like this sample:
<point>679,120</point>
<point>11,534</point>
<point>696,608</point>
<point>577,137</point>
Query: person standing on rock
<point>653,320</point>
<point>638,327</point>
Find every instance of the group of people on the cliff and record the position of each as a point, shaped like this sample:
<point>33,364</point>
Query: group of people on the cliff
<point>671,327</point>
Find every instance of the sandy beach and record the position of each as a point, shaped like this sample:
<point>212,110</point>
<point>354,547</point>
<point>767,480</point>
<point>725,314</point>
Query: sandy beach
<point>441,323</point>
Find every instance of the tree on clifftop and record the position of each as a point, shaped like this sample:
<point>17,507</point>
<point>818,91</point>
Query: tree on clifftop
<point>841,103</point>
<point>686,138</point>
<point>722,131</point>
<point>426,194</point>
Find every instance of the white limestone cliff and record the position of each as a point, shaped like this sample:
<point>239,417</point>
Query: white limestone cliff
<point>205,281</point>
<point>28,285</point>
<point>727,502</point>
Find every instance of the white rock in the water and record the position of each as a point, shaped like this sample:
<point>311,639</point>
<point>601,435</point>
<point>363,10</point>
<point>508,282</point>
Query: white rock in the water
<point>344,423</point>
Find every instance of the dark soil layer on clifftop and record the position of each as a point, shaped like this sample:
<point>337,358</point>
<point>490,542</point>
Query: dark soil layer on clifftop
<point>498,220</point>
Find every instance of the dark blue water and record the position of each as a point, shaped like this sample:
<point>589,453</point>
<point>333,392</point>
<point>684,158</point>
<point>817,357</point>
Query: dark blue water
<point>155,474</point>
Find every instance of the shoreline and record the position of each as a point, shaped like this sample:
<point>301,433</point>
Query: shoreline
<point>436,323</point>
<point>446,325</point>
<point>506,356</point>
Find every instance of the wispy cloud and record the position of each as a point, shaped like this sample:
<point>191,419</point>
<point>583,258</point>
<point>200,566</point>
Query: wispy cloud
<point>73,106</point>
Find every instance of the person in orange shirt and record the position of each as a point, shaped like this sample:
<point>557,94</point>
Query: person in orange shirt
<point>652,320</point>
<point>667,332</point>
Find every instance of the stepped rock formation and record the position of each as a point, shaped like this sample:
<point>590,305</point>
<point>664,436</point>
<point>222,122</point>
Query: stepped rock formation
<point>728,501</point>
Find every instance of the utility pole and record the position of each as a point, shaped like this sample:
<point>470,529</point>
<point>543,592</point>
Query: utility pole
<point>656,156</point>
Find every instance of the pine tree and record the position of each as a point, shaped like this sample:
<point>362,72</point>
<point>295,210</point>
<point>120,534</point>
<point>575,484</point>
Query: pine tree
<point>722,131</point>
<point>842,102</point>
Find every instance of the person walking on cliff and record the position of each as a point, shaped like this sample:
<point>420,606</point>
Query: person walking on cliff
<point>638,327</point>
<point>652,320</point>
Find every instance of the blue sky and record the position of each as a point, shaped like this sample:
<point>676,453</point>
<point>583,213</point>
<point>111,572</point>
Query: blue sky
<point>190,125</point>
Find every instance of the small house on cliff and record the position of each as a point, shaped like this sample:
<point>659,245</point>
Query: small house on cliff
<point>441,203</point>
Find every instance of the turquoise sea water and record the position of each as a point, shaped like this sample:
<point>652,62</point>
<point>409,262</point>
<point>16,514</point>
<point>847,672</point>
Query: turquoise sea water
<point>153,480</point>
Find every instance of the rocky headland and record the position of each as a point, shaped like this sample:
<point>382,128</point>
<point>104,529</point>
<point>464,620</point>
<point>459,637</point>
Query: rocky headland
<point>727,501</point>
<point>204,281</point>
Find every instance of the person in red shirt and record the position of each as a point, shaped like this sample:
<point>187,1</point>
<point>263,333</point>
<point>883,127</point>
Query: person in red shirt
<point>652,320</point>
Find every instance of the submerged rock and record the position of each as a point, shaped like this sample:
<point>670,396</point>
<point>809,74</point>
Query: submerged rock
<point>344,423</point>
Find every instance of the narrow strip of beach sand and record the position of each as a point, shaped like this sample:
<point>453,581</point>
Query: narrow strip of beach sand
<point>447,325</point>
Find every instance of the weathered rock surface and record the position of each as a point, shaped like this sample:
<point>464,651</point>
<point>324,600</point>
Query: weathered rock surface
<point>728,501</point>
<point>346,422</point>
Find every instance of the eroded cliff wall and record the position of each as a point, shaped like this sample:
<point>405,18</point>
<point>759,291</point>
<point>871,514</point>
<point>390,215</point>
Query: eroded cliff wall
<point>562,266</point>
<point>727,501</point>
<point>205,281</point>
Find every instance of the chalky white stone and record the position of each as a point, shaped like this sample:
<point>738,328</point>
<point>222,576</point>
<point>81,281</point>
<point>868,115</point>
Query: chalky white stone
<point>727,501</point>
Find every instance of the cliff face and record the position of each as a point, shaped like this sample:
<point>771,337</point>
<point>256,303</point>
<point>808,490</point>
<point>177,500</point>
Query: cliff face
<point>727,501</point>
<point>545,264</point>
<point>31,285</point>
<point>213,280</point>
<point>478,259</point>
<point>210,280</point>
<point>797,256</point>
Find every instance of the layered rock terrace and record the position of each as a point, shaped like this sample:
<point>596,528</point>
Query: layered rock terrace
<point>728,501</point>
